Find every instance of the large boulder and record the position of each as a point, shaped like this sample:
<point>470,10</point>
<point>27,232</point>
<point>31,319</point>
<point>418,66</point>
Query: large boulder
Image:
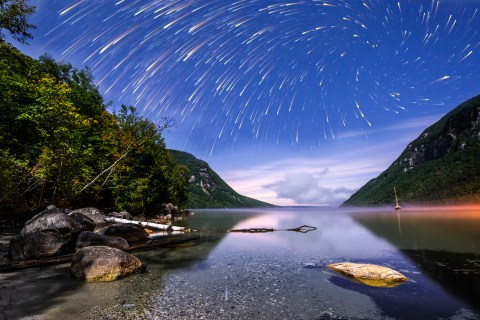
<point>81,222</point>
<point>131,232</point>
<point>370,274</point>
<point>49,233</point>
<point>90,239</point>
<point>99,263</point>
<point>93,213</point>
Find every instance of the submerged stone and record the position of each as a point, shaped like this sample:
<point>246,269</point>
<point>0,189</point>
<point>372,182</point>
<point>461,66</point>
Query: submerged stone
<point>370,274</point>
<point>99,264</point>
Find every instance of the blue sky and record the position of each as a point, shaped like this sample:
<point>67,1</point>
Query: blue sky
<point>291,102</point>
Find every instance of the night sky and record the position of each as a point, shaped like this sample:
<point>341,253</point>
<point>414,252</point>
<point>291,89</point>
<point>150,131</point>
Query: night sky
<point>297,102</point>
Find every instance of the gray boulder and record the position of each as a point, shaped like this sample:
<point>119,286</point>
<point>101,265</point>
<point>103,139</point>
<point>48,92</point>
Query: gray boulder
<point>121,215</point>
<point>89,239</point>
<point>170,209</point>
<point>81,222</point>
<point>131,232</point>
<point>49,233</point>
<point>93,213</point>
<point>99,263</point>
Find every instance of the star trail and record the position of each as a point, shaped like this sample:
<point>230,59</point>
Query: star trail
<point>290,73</point>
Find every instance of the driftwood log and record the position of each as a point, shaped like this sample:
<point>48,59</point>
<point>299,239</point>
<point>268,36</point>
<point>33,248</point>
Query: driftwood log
<point>302,229</point>
<point>252,230</point>
<point>149,225</point>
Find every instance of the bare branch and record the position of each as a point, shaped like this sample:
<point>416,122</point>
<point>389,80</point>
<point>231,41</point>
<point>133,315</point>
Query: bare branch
<point>106,170</point>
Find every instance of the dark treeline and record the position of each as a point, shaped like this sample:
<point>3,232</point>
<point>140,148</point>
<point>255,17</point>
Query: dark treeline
<point>58,143</point>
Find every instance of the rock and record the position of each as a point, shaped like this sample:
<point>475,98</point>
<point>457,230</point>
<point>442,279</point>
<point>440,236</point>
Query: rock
<point>51,232</point>
<point>93,213</point>
<point>100,263</point>
<point>16,248</point>
<point>170,209</point>
<point>140,218</point>
<point>81,222</point>
<point>4,260</point>
<point>90,239</point>
<point>370,274</point>
<point>121,215</point>
<point>131,232</point>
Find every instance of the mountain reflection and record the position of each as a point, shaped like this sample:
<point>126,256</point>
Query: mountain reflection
<point>444,244</point>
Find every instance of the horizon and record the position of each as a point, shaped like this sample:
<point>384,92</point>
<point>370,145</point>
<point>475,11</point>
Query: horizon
<point>291,103</point>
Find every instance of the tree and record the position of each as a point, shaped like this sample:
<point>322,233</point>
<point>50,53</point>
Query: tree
<point>148,177</point>
<point>13,18</point>
<point>58,143</point>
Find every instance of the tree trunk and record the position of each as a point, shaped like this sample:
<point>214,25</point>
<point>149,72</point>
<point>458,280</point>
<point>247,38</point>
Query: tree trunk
<point>149,225</point>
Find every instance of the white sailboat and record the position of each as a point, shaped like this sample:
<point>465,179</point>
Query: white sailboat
<point>397,206</point>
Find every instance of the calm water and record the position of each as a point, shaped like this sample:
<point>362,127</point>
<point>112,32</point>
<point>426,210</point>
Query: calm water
<point>283,275</point>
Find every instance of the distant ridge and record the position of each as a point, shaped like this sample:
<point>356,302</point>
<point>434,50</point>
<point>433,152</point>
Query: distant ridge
<point>441,166</point>
<point>206,188</point>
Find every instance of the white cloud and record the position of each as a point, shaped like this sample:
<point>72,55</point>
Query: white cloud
<point>307,189</point>
<point>324,180</point>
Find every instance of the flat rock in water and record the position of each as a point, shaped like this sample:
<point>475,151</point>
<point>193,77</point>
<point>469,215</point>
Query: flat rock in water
<point>370,274</point>
<point>101,264</point>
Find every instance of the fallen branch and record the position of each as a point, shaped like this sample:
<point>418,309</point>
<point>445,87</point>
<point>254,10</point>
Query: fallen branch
<point>150,225</point>
<point>252,230</point>
<point>302,229</point>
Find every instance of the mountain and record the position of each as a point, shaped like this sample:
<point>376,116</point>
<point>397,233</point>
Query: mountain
<point>441,166</point>
<point>207,190</point>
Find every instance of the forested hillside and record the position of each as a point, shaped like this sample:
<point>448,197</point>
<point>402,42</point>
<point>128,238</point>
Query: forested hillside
<point>441,166</point>
<point>58,143</point>
<point>207,190</point>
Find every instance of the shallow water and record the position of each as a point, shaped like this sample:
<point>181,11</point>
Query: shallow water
<point>281,275</point>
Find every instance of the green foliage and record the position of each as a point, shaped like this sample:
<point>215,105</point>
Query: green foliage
<point>58,144</point>
<point>440,166</point>
<point>13,18</point>
<point>149,177</point>
<point>207,190</point>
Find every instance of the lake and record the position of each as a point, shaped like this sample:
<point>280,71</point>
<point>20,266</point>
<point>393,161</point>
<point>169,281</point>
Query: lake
<point>278,275</point>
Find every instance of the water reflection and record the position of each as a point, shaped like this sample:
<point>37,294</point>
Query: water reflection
<point>444,244</point>
<point>453,231</point>
<point>283,274</point>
